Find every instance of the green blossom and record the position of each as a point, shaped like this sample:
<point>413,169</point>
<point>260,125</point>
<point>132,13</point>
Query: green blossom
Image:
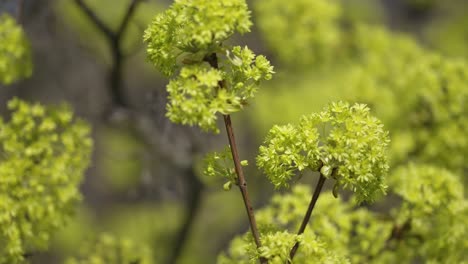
<point>334,220</point>
<point>213,78</point>
<point>15,54</point>
<point>244,71</point>
<point>435,211</point>
<point>430,124</point>
<point>44,154</point>
<point>286,149</point>
<point>344,142</point>
<point>196,97</point>
<point>193,26</point>
<point>276,247</point>
<point>193,98</point>
<point>427,189</point>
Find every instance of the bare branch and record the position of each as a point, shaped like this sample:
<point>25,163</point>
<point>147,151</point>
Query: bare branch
<point>125,21</point>
<point>95,19</point>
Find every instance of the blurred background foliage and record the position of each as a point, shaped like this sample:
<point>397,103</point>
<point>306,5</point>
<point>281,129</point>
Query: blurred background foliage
<point>143,183</point>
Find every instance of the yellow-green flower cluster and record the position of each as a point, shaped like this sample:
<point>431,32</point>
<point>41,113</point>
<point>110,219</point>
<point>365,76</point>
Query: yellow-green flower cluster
<point>200,91</point>
<point>337,234</point>
<point>193,97</point>
<point>419,95</point>
<point>435,210</point>
<point>15,54</point>
<point>276,247</point>
<point>43,157</point>
<point>213,79</point>
<point>109,249</point>
<point>193,26</point>
<point>427,189</point>
<point>344,142</point>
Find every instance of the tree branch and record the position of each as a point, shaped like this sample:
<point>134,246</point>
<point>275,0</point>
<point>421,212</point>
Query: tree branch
<point>194,197</point>
<point>308,214</point>
<point>115,45</point>
<point>95,19</point>
<point>19,10</point>
<point>115,82</point>
<point>212,59</point>
<point>125,21</point>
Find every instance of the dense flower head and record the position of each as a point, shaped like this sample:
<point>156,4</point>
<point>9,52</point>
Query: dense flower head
<point>193,98</point>
<point>44,155</point>
<point>244,70</point>
<point>109,249</point>
<point>213,78</point>
<point>193,26</point>
<point>196,95</point>
<point>15,54</point>
<point>288,149</point>
<point>344,142</point>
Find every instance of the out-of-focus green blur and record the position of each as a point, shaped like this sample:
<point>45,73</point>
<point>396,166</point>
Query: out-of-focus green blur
<point>139,184</point>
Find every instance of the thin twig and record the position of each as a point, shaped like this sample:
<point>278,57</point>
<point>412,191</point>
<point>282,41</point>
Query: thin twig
<point>308,214</point>
<point>242,183</point>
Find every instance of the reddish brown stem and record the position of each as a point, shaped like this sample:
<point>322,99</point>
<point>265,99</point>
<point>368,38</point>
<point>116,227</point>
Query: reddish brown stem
<point>212,59</point>
<point>241,180</point>
<point>308,214</point>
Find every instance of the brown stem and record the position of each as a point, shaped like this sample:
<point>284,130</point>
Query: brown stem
<point>308,214</point>
<point>241,180</point>
<point>212,59</point>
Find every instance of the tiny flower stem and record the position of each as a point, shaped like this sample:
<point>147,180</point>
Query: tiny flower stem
<point>308,214</point>
<point>213,61</point>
